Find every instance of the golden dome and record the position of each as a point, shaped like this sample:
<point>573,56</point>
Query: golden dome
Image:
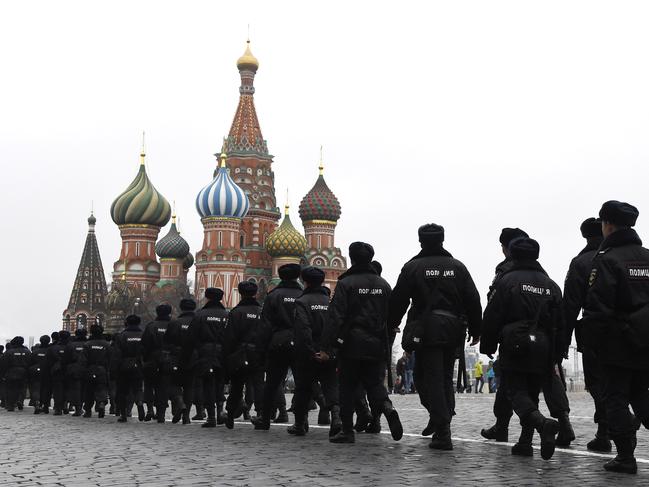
<point>286,241</point>
<point>248,60</point>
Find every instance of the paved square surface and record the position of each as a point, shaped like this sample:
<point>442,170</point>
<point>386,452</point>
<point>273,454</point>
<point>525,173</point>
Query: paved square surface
<point>69,451</point>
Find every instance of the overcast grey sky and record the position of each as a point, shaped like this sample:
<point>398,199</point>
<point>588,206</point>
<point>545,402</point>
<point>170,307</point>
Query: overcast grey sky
<point>474,115</point>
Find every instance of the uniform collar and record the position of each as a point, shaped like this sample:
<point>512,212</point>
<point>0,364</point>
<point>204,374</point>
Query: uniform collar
<point>316,290</point>
<point>213,304</point>
<point>358,269</point>
<point>626,236</point>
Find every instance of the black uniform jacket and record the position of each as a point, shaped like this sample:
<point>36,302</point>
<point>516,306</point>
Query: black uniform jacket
<point>128,349</point>
<point>358,315</point>
<point>96,353</point>
<point>55,362</point>
<point>616,314</point>
<point>277,315</point>
<point>73,358</point>
<point>38,364</point>
<point>14,363</point>
<point>311,317</point>
<point>208,328</point>
<point>435,281</point>
<point>516,297</point>
<point>244,330</point>
<point>574,291</point>
<point>181,340</point>
<point>153,341</point>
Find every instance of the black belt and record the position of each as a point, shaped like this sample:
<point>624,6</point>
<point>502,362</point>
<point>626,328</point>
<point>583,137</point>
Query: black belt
<point>443,312</point>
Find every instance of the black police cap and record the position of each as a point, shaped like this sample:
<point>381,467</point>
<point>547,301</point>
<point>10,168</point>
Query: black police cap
<point>80,333</point>
<point>431,234</point>
<point>619,213</point>
<point>247,288</point>
<point>163,310</point>
<point>132,320</point>
<point>64,334</point>
<point>509,234</point>
<point>44,340</point>
<point>377,267</point>
<point>214,294</point>
<point>524,249</point>
<point>361,252</point>
<point>591,228</point>
<point>96,330</point>
<point>289,272</point>
<point>313,276</point>
<point>187,304</point>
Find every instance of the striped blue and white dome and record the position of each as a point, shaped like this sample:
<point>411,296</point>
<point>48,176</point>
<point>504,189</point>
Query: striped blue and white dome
<point>222,197</point>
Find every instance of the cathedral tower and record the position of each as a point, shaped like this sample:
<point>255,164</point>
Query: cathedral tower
<point>285,245</point>
<point>250,167</point>
<point>222,205</point>
<point>87,304</point>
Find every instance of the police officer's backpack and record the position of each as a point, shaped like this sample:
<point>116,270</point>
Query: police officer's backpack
<point>524,339</point>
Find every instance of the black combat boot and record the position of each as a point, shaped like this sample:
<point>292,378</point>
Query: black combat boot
<point>298,429</point>
<point>229,420</point>
<point>122,417</point>
<point>430,428</point>
<point>498,432</point>
<point>77,411</point>
<point>324,418</point>
<point>88,413</point>
<point>601,443</point>
<point>524,446</point>
<point>363,416</point>
<point>20,405</point>
<point>343,437</point>
<point>624,462</point>
<point>375,426</point>
<point>140,412</point>
<point>46,410</point>
<point>336,423</point>
<point>221,415</point>
<point>150,413</point>
<point>396,429</point>
<point>200,414</point>
<point>37,409</point>
<point>211,418</point>
<point>261,423</point>
<point>547,428</point>
<point>111,409</point>
<point>160,415</point>
<point>101,410</point>
<point>185,416</point>
<point>442,438</point>
<point>566,433</point>
<point>282,415</point>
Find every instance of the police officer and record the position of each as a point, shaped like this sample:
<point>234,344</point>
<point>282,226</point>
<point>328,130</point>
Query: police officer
<point>357,330</point>
<point>243,345</point>
<point>524,317</point>
<point>208,327</point>
<point>128,347</point>
<point>38,376</point>
<point>574,297</point>
<point>157,364</point>
<point>181,339</point>
<point>442,292</point>
<point>74,371</point>
<point>616,327</point>
<point>554,390</point>
<point>277,317</point>
<point>14,365</point>
<point>96,358</point>
<point>56,367</point>
<point>312,364</point>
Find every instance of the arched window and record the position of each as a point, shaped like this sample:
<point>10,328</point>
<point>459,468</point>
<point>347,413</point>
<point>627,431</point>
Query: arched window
<point>220,239</point>
<point>137,249</point>
<point>242,241</point>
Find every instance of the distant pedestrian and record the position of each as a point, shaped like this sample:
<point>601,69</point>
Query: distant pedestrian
<point>479,379</point>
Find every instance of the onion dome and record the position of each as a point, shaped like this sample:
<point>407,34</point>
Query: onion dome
<point>286,241</point>
<point>222,197</point>
<point>172,245</point>
<point>248,61</point>
<point>92,220</point>
<point>320,203</point>
<point>188,262</point>
<point>141,203</point>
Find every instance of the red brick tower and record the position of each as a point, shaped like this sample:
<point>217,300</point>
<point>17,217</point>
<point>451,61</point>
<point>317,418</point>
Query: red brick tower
<point>250,166</point>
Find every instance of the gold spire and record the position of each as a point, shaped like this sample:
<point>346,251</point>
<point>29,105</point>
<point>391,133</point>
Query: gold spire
<point>286,206</point>
<point>248,59</point>
<point>142,152</point>
<point>173,214</point>
<point>321,166</point>
<point>224,156</point>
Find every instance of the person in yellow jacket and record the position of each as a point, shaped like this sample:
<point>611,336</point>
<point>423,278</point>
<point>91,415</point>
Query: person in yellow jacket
<point>479,377</point>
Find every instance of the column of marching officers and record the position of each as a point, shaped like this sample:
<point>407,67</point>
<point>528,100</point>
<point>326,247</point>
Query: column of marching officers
<point>338,348</point>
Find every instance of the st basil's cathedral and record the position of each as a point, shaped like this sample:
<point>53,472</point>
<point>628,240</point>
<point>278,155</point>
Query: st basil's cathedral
<point>241,236</point>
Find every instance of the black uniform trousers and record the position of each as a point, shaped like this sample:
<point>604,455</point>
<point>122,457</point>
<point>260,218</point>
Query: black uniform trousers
<point>209,383</point>
<point>278,365</point>
<point>594,383</point>
<point>129,390</point>
<point>188,377</point>
<point>72,387</point>
<point>15,391</point>
<point>433,376</point>
<point>523,389</point>
<point>309,373</point>
<point>253,380</point>
<point>35,389</point>
<point>95,387</point>
<point>148,382</point>
<point>58,391</point>
<point>369,373</point>
<point>624,386</point>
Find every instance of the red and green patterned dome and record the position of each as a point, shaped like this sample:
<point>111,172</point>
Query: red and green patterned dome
<point>320,203</point>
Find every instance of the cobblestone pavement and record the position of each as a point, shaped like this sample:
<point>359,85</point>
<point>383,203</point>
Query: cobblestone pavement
<point>68,451</point>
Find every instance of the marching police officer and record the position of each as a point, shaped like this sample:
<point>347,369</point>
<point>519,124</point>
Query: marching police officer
<point>243,344</point>
<point>157,364</point>
<point>312,365</point>
<point>180,337</point>
<point>38,376</point>
<point>14,365</point>
<point>128,347</point>
<point>574,297</point>
<point>442,292</point>
<point>96,359</point>
<point>208,327</point>
<point>523,316</point>
<point>357,329</point>
<point>616,327</point>
<point>277,317</point>
<point>553,388</point>
<point>74,371</point>
<point>56,367</point>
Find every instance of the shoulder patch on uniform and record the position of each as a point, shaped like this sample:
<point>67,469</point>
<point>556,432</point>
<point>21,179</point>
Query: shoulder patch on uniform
<point>638,272</point>
<point>535,289</point>
<point>592,277</point>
